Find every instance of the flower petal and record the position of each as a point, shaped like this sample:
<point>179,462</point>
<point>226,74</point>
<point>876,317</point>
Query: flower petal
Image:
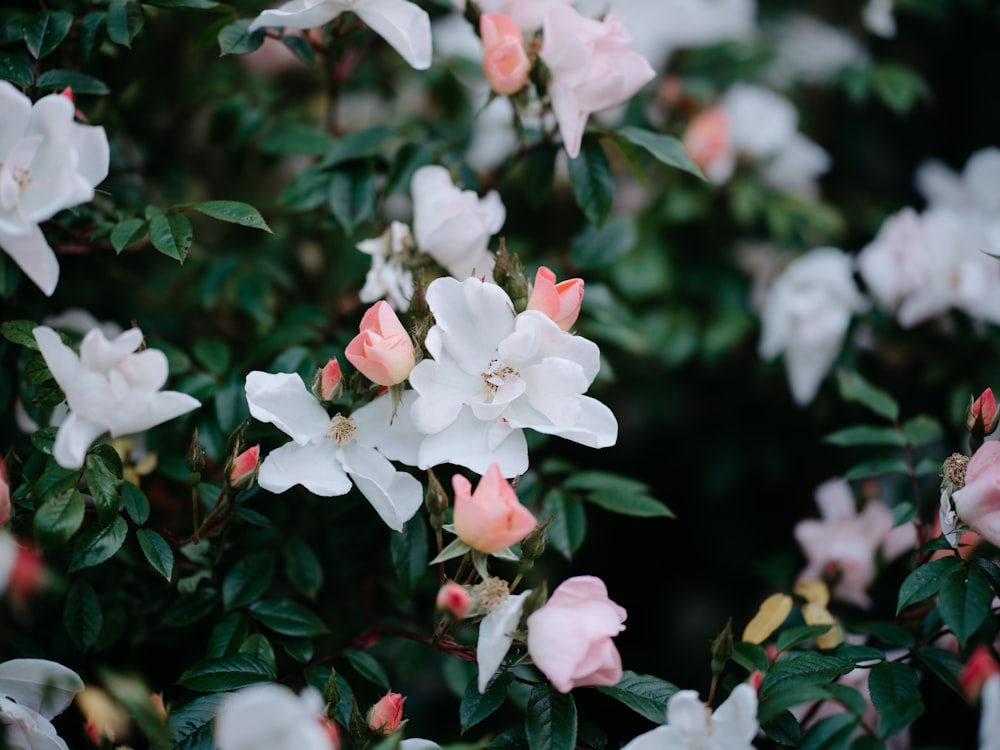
<point>75,436</point>
<point>405,26</point>
<point>495,636</point>
<point>397,439</point>
<point>395,495</point>
<point>33,255</point>
<point>299,14</point>
<point>283,400</point>
<point>141,410</point>
<point>40,685</point>
<point>476,444</point>
<point>315,466</point>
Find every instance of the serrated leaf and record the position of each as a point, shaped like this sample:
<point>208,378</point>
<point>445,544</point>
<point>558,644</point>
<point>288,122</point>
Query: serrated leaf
<point>96,545</point>
<point>233,212</point>
<point>410,550</point>
<point>82,615</point>
<point>127,232</point>
<point>601,247</point>
<point>103,471</point>
<point>867,435</point>
<point>248,580</point>
<point>629,505</point>
<point>831,733</point>
<point>550,722</point>
<point>783,729</point>
<point>125,20</point>
<point>664,148</point>
<point>135,502</point>
<point>780,701</point>
<point>157,552</point>
<point>894,718</point>
<point>20,332</point>
<point>855,388</point>
<point>592,182</point>
<point>964,602</point>
<point>191,724</point>
<point>228,635</point>
<point>58,518</point>
<point>295,139</point>
<point>567,531</point>
<point>366,666</point>
<point>287,618</point>
<point>258,646</point>
<point>172,234</point>
<point>924,582</point>
<point>236,39</point>
<point>892,682</point>
<point>792,637</point>
<point>943,663</point>
<point>877,467</point>
<point>17,68</point>
<point>750,656</point>
<point>81,83</point>
<point>770,614</point>
<point>797,668</point>
<point>226,673</point>
<point>46,31</point>
<point>645,694</point>
<point>475,706</point>
<point>922,430</point>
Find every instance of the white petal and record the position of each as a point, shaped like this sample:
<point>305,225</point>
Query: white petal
<point>271,717</point>
<point>405,26</point>
<point>28,730</point>
<point>686,714</point>
<point>33,255</point>
<point>141,410</point>
<point>299,14</point>
<point>100,355</point>
<point>443,389</point>
<point>91,145</point>
<point>51,117</point>
<point>468,442</point>
<point>146,369</point>
<point>15,111</point>
<point>315,466</point>
<point>495,636</point>
<point>473,318</point>
<point>398,440</point>
<point>283,400</point>
<point>734,723</point>
<point>657,739</point>
<point>75,436</point>
<point>61,360</point>
<point>395,495</point>
<point>41,685</point>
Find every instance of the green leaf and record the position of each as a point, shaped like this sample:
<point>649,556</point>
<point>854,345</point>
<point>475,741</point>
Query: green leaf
<point>792,637</point>
<point>351,196</point>
<point>58,518</point>
<point>20,332</point>
<point>780,701</point>
<point>664,148</point>
<point>550,723</point>
<point>925,581</point>
<point>539,170</point>
<point>235,39</point>
<point>226,673</point>
<point>903,513</point>
<point>361,144</point>
<point>258,646</point>
<point>213,354</point>
<point>602,247</point>
<point>191,4</point>
<point>233,212</point>
<point>592,181</point>
<point>287,618</point>
<point>46,31</point>
<point>475,706</point>
<point>877,467</point>
<point>228,635</point>
<point>82,615</point>
<point>96,545</point>
<point>103,473</point>
<point>410,551</point>
<point>831,733</point>
<point>887,633</point>
<point>36,371</point>
<point>302,567</point>
<point>629,505</point>
<point>135,502</point>
<point>248,580</point>
<point>186,610</point>
<point>171,233</point>
<point>964,602</point>
<point>81,83</point>
<point>17,68</point>
<point>157,552</point>
<point>894,718</point>
<point>307,190</point>
<point>892,682</point>
<point>127,232</point>
<point>783,729</point>
<point>568,529</point>
<point>855,388</point>
<point>643,693</point>
<point>191,724</point>
<point>89,28</point>
<point>946,665</point>
<point>125,20</point>
<point>867,435</point>
<point>798,668</point>
<point>898,86</point>
<point>750,656</point>
<point>295,139</point>
<point>366,666</point>
<point>602,480</point>
<point>922,430</point>
<point>299,47</point>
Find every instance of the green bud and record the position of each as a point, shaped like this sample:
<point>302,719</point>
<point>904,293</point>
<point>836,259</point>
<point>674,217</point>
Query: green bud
<point>436,500</point>
<point>722,648</point>
<point>195,455</point>
<point>533,545</point>
<point>331,693</point>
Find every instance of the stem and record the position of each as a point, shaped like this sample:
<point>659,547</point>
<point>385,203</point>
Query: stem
<point>194,514</point>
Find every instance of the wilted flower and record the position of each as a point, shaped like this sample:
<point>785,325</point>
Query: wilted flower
<point>404,25</point>
<point>48,162</point>
<point>382,351</point>
<point>110,387</point>
<point>561,301</point>
<point>385,716</point>
<point>491,518</point>
<point>32,691</point>
<point>271,717</point>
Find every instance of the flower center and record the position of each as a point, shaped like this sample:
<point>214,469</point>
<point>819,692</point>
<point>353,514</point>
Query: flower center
<point>495,375</point>
<point>491,593</point>
<point>341,429</point>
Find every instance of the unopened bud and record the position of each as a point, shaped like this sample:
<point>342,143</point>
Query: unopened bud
<point>436,500</point>
<point>981,418</point>
<point>508,273</point>
<point>332,731</point>
<point>195,455</point>
<point>386,715</point>
<point>533,545</point>
<point>331,693</point>
<point>243,468</point>
<point>722,648</point>
<point>454,599</point>
<point>328,382</point>
<point>982,666</point>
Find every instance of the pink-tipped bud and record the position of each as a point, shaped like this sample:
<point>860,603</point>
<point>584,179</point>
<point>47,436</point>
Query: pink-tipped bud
<point>982,416</point>
<point>756,679</point>
<point>244,469</point>
<point>28,575</point>
<point>491,518</point>
<point>707,139</point>
<point>982,665</point>
<point>68,93</point>
<point>561,301</point>
<point>455,599</point>
<point>505,62</point>
<point>332,730</point>
<point>4,494</point>
<point>330,381</point>
<point>382,351</point>
<point>386,715</point>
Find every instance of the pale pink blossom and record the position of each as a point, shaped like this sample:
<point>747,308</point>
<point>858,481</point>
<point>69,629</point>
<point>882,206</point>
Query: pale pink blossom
<point>569,638</point>
<point>385,716</point>
<point>980,667</point>
<point>491,518</point>
<point>382,351</point>
<point>454,599</point>
<point>690,726</point>
<point>561,301</point>
<point>708,143</point>
<point>527,14</point>
<point>978,502</point>
<point>505,62</point>
<point>593,69</point>
<point>271,717</point>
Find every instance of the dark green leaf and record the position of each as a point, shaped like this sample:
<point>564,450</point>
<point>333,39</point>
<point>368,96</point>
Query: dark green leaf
<point>361,144</point>
<point>17,68</point>
<point>89,28</point>
<point>750,656</point>
<point>797,668</point>
<point>295,139</point>
<point>792,637</point>
<point>233,212</point>
<point>366,666</point>
<point>186,610</point>
<point>898,86</point>
<point>903,513</point>
<point>599,248</point>
<point>539,172</point>
<point>96,545</point>
<point>103,472</point>
<point>964,601</point>
<point>783,729</point>
<point>235,39</point>
<point>81,83</point>
<point>550,723</point>
<point>475,706</point>
<point>228,635</point>
<point>36,371</point>
<point>629,505</point>
<point>248,580</point>
<point>567,530</point>
<point>287,618</point>
<point>351,197</point>
<point>191,724</point>
<point>602,480</point>
<point>82,615</point>
<point>891,682</point>
<point>924,582</point>
<point>855,388</point>
<point>125,20</point>
<point>258,646</point>
<point>867,435</point>
<point>645,694</point>
<point>877,467</point>
<point>593,184</point>
<point>226,673</point>
<point>46,31</point>
<point>299,47</point>
<point>780,701</point>
<point>894,718</point>
<point>192,4</point>
<point>887,633</point>
<point>128,232</point>
<point>58,518</point>
<point>831,733</point>
<point>171,233</point>
<point>20,332</point>
<point>212,353</point>
<point>135,502</point>
<point>307,190</point>
<point>410,552</point>
<point>666,149</point>
<point>946,665</point>
<point>157,552</point>
<point>922,430</point>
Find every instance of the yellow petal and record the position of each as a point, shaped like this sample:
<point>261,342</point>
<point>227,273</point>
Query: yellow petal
<point>816,614</point>
<point>769,617</point>
<point>815,592</point>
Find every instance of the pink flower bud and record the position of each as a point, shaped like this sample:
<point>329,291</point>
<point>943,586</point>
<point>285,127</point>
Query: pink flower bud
<point>4,494</point>
<point>385,716</point>
<point>382,351</point>
<point>329,379</point>
<point>707,141</point>
<point>981,666</point>
<point>561,301</point>
<point>68,93</point>
<point>28,575</point>
<point>505,62</point>
<point>491,518</point>
<point>455,599</point>
<point>333,730</point>
<point>983,409</point>
<point>244,468</point>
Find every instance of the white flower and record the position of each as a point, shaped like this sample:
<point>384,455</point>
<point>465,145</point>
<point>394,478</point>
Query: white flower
<point>989,714</point>
<point>732,726</point>
<point>404,25</point>
<point>975,190</point>
<point>271,717</point>
<point>452,225</point>
<point>388,278</point>
<point>110,387</point>
<point>806,315</point>
<point>493,374</point>
<point>32,691</point>
<point>878,18</point>
<point>48,162</point>
<point>811,50</point>
<point>326,454</point>
<point>496,635</point>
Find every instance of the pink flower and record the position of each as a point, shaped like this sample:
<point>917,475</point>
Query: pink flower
<point>569,639</point>
<point>455,599</point>
<point>386,715</point>
<point>592,67</point>
<point>983,410</point>
<point>978,503</point>
<point>4,494</point>
<point>505,62</point>
<point>491,518</point>
<point>244,468</point>
<point>382,351</point>
<point>708,143</point>
<point>980,667</point>
<point>329,378</point>
<point>561,301</point>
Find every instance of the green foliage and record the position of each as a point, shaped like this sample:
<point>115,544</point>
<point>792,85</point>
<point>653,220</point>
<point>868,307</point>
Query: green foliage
<point>476,707</point>
<point>645,694</point>
<point>550,722</point>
